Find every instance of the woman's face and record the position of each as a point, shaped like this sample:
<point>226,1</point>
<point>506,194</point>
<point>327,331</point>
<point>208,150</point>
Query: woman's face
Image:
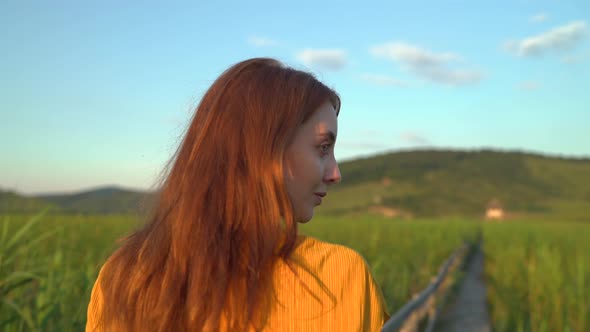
<point>310,166</point>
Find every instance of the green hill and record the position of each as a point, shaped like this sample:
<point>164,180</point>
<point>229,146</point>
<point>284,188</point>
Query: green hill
<point>107,200</point>
<point>13,203</point>
<point>443,183</point>
<point>425,183</point>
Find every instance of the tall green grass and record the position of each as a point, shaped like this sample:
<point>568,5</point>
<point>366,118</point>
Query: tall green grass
<point>48,265</point>
<point>538,276</point>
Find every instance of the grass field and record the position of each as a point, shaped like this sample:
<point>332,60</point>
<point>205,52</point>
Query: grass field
<point>538,276</point>
<point>48,266</point>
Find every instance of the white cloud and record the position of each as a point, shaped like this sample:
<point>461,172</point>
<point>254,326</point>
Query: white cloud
<point>259,41</point>
<point>382,80</point>
<point>452,77</point>
<point>561,39</point>
<point>328,59</point>
<point>412,55</point>
<point>414,138</point>
<point>538,18</point>
<point>528,85</point>
<point>431,66</point>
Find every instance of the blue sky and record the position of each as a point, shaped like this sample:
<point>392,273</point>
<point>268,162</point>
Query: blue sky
<point>100,93</point>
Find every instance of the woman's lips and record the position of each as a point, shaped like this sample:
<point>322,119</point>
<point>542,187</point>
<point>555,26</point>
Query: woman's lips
<point>319,196</point>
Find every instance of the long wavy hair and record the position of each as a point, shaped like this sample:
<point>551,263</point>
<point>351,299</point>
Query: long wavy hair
<point>222,218</point>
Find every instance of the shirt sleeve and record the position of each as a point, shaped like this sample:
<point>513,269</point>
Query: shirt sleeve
<point>94,308</point>
<point>374,309</point>
<point>361,302</point>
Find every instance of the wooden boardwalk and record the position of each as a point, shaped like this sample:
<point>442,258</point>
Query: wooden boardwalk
<point>468,311</point>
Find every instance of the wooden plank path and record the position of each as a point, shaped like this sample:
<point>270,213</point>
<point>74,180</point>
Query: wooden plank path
<point>468,311</point>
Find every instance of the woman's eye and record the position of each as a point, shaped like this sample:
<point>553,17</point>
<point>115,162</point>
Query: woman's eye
<point>325,148</point>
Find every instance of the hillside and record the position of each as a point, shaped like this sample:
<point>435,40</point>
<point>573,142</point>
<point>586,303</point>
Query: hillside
<point>13,203</point>
<point>424,183</point>
<point>107,200</point>
<point>437,183</point>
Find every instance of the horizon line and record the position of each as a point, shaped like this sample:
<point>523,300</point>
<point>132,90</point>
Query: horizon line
<point>81,190</point>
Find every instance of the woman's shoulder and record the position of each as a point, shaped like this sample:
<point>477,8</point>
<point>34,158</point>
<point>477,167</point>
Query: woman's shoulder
<point>96,304</point>
<point>324,254</point>
<point>343,290</point>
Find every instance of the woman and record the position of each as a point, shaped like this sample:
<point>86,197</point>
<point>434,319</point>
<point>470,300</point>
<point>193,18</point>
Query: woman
<point>220,251</point>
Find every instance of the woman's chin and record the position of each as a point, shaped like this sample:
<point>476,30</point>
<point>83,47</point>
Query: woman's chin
<point>304,218</point>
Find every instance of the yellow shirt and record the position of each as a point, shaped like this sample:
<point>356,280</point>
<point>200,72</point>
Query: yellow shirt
<point>341,293</point>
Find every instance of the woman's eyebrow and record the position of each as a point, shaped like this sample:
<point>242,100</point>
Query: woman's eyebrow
<point>328,135</point>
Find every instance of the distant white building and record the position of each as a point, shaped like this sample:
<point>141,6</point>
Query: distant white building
<point>494,210</point>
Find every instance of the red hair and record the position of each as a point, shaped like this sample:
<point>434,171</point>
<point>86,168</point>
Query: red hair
<point>223,217</point>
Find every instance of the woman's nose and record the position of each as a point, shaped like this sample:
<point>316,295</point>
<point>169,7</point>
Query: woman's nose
<point>333,175</point>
